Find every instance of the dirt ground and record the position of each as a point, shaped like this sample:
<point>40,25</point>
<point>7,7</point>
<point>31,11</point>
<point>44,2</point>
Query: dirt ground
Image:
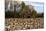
<point>23,24</point>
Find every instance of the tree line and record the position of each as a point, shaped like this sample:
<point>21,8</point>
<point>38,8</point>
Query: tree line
<point>24,12</point>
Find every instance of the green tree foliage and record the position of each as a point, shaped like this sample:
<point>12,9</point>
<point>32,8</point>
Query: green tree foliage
<point>9,14</point>
<point>40,14</point>
<point>24,12</point>
<point>22,6</point>
<point>34,14</point>
<point>17,15</point>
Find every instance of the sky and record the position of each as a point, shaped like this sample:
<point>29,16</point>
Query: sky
<point>39,7</point>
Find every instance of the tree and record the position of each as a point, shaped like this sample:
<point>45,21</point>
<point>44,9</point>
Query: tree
<point>22,6</point>
<point>40,15</point>
<point>34,14</point>
<point>9,14</point>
